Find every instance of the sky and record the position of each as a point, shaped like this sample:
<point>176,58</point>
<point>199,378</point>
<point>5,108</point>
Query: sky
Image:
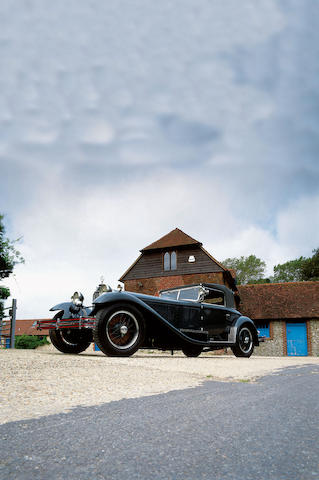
<point>122,120</point>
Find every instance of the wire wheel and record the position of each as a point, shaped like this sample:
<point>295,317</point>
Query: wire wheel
<point>122,329</point>
<point>119,330</point>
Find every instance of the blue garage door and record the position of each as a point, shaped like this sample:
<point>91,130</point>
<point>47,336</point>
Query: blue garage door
<point>297,339</point>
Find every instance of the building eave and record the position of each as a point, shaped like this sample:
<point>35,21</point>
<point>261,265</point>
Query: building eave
<point>130,268</point>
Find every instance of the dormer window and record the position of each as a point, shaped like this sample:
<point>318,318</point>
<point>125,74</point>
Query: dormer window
<point>170,261</point>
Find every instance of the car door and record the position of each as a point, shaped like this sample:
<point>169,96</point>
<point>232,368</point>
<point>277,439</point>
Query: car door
<point>215,319</point>
<point>184,316</point>
<point>189,311</point>
<point>215,316</point>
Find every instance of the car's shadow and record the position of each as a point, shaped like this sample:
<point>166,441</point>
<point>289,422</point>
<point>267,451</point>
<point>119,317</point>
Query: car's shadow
<point>144,356</point>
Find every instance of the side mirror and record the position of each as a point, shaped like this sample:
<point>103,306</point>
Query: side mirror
<point>202,293</point>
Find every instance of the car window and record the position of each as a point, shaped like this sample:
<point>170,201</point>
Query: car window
<point>215,297</point>
<point>189,294</point>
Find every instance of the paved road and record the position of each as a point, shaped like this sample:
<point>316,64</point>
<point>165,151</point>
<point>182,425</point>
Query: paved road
<point>219,431</point>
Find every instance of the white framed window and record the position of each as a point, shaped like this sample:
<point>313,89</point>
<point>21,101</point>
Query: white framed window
<point>170,261</point>
<point>167,261</point>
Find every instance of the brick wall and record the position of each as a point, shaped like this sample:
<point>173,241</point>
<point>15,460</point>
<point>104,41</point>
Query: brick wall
<point>151,286</point>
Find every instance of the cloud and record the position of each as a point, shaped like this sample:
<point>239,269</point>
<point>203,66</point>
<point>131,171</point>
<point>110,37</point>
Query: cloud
<point>179,130</point>
<point>98,133</point>
<point>298,226</point>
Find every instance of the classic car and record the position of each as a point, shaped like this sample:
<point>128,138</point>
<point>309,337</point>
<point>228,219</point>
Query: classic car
<point>192,318</point>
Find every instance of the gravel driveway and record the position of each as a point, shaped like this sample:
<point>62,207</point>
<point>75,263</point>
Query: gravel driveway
<point>43,381</point>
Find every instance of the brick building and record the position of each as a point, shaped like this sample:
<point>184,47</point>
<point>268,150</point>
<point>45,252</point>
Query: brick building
<point>175,259</point>
<point>286,313</point>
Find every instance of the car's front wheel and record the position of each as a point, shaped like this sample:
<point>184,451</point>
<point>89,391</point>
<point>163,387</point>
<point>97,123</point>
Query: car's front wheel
<point>245,344</point>
<point>70,340</point>
<point>192,350</point>
<point>119,330</point>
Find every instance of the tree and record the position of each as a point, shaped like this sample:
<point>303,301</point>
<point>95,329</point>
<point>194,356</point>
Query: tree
<point>290,271</point>
<point>310,267</point>
<point>248,269</point>
<point>9,257</point>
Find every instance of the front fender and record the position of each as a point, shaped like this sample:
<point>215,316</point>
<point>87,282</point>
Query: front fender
<point>61,306</point>
<point>65,306</point>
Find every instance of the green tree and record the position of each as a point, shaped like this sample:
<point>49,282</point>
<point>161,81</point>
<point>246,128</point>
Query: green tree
<point>310,267</point>
<point>290,271</point>
<point>9,257</point>
<point>248,269</point>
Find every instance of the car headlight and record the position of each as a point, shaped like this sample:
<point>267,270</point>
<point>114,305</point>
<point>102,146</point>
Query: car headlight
<point>77,299</point>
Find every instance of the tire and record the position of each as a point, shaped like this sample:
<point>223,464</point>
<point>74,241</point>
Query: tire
<point>192,350</point>
<point>70,340</point>
<point>119,330</point>
<point>245,344</point>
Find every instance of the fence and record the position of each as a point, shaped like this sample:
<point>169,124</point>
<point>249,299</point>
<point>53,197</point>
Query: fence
<point>8,326</point>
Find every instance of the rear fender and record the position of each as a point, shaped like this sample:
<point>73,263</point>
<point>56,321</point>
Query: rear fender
<point>241,321</point>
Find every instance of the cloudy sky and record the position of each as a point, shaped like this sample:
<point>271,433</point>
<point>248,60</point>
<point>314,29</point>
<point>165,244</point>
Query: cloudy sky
<point>124,119</point>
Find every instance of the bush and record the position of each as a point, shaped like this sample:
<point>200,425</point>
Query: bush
<point>30,341</point>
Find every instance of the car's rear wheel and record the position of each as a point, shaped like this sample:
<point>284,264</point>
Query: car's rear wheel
<point>245,344</point>
<point>119,330</point>
<point>192,350</point>
<point>70,340</point>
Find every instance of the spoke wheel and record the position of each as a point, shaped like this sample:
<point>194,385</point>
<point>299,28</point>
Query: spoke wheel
<point>119,331</point>
<point>122,329</point>
<point>245,343</point>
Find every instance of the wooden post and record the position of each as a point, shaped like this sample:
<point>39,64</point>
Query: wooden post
<point>13,323</point>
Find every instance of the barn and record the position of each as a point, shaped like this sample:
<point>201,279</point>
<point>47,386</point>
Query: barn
<point>174,259</point>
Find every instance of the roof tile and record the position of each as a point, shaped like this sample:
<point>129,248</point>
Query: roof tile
<point>175,238</point>
<point>280,300</point>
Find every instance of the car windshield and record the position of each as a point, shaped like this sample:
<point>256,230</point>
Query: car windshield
<point>190,293</point>
<point>172,294</point>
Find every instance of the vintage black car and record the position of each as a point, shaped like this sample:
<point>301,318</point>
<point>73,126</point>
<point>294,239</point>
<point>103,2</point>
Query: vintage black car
<point>191,318</point>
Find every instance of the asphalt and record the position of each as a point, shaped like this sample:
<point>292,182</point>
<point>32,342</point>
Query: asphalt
<point>266,429</point>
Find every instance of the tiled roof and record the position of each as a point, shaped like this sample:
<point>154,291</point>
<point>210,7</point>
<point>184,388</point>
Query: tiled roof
<point>175,238</point>
<point>280,300</point>
<point>28,327</point>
